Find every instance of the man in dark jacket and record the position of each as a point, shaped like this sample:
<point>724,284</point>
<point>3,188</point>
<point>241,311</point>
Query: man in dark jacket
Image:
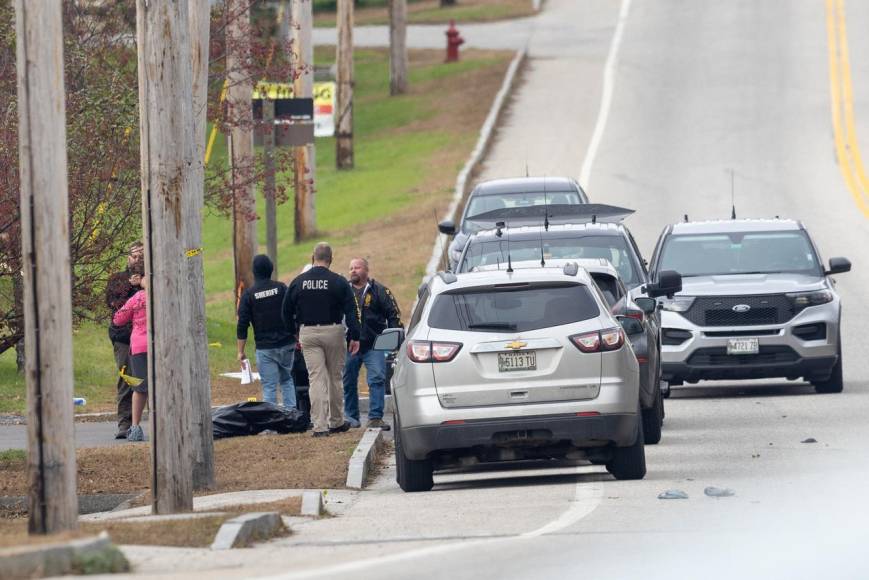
<point>260,305</point>
<point>379,311</point>
<point>119,288</point>
<point>320,302</point>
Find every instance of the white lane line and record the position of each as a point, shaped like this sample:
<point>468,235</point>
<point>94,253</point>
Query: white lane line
<point>587,497</point>
<point>606,100</point>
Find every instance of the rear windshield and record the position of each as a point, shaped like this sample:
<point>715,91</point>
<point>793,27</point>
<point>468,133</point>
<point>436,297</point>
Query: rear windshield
<point>740,253</point>
<point>485,203</point>
<point>513,308</point>
<point>612,248</point>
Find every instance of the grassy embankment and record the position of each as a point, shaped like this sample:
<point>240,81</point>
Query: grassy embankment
<point>408,152</point>
<point>370,12</point>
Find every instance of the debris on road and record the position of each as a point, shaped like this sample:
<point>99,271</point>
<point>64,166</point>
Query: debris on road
<point>673,494</point>
<point>713,491</point>
<point>809,440</point>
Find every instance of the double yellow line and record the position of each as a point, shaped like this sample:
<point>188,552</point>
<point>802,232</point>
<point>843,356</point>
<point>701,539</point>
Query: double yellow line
<point>842,100</point>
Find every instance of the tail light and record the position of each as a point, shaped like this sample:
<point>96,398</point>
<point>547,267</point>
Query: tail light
<point>604,340</point>
<point>588,342</point>
<point>635,314</point>
<point>425,351</point>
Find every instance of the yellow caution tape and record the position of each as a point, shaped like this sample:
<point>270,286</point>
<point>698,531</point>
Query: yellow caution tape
<point>193,252</point>
<point>215,344</point>
<point>130,380</point>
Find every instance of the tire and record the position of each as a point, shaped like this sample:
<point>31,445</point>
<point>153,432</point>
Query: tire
<point>629,462</point>
<point>836,382</point>
<point>653,420</point>
<point>411,475</point>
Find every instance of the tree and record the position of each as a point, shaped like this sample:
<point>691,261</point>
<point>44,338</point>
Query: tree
<point>397,47</point>
<point>102,143</point>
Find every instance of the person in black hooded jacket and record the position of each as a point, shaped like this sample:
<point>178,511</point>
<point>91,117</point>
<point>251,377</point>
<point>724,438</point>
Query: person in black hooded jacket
<point>260,305</point>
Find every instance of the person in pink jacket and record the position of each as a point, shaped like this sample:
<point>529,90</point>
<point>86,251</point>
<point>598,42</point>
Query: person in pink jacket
<point>134,310</point>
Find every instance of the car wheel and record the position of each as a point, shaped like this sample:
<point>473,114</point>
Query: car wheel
<point>836,382</point>
<point>411,475</point>
<point>629,462</point>
<point>653,420</point>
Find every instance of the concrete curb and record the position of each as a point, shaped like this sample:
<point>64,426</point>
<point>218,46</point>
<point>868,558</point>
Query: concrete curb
<point>44,560</point>
<point>477,156</point>
<point>312,503</point>
<point>363,455</point>
<point>243,530</point>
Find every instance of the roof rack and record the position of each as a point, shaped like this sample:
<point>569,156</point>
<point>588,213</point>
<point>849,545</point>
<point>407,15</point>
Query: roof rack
<point>556,213</point>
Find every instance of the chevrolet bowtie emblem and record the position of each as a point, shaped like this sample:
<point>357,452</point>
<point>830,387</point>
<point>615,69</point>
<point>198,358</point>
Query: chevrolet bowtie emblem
<point>515,345</point>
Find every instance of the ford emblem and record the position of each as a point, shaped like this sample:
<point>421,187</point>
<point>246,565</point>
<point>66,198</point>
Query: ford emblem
<point>740,308</point>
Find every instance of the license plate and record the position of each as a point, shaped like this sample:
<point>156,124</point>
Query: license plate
<point>741,346</point>
<point>517,361</point>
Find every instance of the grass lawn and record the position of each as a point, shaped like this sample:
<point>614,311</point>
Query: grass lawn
<point>408,151</point>
<point>428,11</point>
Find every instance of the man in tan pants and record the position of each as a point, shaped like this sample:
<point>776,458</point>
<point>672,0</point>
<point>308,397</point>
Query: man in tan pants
<point>316,302</point>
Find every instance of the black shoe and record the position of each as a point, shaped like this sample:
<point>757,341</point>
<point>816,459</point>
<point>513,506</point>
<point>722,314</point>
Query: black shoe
<point>345,426</point>
<point>378,424</point>
<point>122,433</point>
<point>320,434</point>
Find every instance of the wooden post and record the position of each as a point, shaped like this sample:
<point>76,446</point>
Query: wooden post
<point>239,96</point>
<point>167,151</point>
<point>304,158</point>
<point>269,185</point>
<point>200,376</point>
<point>45,251</point>
<point>344,130</point>
<point>397,47</point>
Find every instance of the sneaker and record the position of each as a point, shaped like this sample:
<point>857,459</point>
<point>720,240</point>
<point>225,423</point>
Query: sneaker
<point>343,427</point>
<point>122,433</point>
<point>378,424</point>
<point>320,434</point>
<point>354,423</point>
<point>135,434</point>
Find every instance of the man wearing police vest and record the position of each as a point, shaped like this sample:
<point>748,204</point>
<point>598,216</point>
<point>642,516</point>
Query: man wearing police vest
<point>316,303</point>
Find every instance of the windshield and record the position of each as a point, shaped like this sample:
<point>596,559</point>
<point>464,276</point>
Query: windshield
<point>483,203</point>
<point>523,308</point>
<point>740,253</point>
<point>612,248</point>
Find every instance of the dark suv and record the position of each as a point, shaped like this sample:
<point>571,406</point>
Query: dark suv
<point>515,192</point>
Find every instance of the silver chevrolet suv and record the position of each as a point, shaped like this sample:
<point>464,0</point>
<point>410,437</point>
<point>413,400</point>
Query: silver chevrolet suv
<point>756,302</point>
<point>513,365</point>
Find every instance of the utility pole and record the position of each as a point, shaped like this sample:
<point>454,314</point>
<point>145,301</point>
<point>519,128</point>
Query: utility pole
<point>304,157</point>
<point>239,95</point>
<point>51,469</point>
<point>167,151</point>
<point>397,47</point>
<point>269,184</point>
<point>200,376</point>
<point>344,130</point>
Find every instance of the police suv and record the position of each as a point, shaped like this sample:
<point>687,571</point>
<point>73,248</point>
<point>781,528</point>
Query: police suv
<point>756,302</point>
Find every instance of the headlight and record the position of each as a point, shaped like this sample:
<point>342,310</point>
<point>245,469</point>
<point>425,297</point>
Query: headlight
<point>802,300</point>
<point>677,303</point>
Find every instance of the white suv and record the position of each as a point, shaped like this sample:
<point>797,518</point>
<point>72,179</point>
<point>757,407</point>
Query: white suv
<point>512,365</point>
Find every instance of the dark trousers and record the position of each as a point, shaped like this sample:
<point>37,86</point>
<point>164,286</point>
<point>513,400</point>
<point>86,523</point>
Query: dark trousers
<point>125,393</point>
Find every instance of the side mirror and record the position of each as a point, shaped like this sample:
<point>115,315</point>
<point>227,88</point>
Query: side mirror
<point>669,283</point>
<point>647,305</point>
<point>389,340</point>
<point>630,325</point>
<point>447,227</point>
<point>839,266</point>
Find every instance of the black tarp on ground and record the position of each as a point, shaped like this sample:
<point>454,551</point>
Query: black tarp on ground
<point>253,417</point>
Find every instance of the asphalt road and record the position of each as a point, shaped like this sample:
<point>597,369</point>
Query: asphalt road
<point>696,88</point>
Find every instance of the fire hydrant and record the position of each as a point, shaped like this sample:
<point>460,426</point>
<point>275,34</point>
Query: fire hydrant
<point>454,41</point>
